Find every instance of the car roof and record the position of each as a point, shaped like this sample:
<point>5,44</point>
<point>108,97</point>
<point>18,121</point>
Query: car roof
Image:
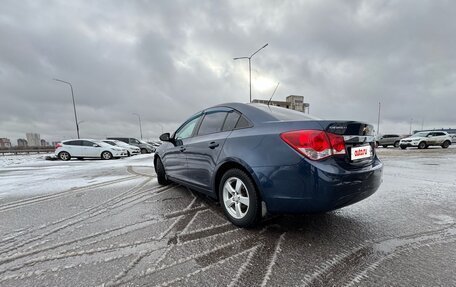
<point>260,113</point>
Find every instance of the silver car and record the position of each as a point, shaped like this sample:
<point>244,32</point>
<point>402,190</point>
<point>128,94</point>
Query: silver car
<point>426,139</point>
<point>390,139</point>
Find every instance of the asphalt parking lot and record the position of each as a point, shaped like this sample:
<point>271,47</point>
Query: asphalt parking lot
<point>125,230</point>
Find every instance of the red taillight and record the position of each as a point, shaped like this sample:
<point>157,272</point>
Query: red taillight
<point>314,144</point>
<point>58,145</point>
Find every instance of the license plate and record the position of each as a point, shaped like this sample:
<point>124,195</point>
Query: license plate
<point>361,152</point>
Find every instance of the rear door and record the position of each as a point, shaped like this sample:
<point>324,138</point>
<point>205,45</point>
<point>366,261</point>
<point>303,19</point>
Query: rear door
<point>73,147</point>
<point>202,151</point>
<point>89,150</point>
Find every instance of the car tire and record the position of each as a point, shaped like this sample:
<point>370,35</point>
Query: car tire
<point>403,147</point>
<point>446,144</point>
<point>422,145</point>
<point>161,173</point>
<point>144,151</point>
<point>128,153</point>
<point>63,155</point>
<point>384,146</point>
<point>106,155</point>
<point>396,144</point>
<point>239,198</point>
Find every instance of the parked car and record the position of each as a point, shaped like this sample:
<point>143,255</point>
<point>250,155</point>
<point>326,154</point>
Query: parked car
<point>257,159</point>
<point>87,148</point>
<point>131,149</point>
<point>425,139</point>
<point>387,140</point>
<point>144,147</point>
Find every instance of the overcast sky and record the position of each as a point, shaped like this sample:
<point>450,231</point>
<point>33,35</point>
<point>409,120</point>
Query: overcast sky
<point>169,59</point>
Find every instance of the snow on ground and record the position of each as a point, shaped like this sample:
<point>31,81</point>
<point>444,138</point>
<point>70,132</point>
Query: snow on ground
<point>25,175</point>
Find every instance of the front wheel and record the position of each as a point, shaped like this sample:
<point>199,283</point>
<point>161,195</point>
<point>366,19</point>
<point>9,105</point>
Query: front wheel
<point>106,155</point>
<point>403,147</point>
<point>446,144</point>
<point>161,173</point>
<point>239,199</point>
<point>385,146</point>
<point>144,151</point>
<point>422,145</point>
<point>396,144</point>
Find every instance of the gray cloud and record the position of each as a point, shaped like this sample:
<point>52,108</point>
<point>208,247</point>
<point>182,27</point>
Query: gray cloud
<point>167,60</point>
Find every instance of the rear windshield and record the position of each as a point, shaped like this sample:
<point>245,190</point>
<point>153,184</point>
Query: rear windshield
<point>284,114</point>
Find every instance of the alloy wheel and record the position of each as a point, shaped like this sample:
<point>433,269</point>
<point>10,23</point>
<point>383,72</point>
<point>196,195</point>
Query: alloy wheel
<point>236,197</point>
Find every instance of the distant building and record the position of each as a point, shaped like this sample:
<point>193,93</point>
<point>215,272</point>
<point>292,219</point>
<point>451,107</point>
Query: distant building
<point>22,143</point>
<point>44,142</point>
<point>5,143</point>
<point>292,102</point>
<point>33,139</point>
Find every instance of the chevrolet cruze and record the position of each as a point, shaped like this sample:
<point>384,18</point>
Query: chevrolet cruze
<point>257,159</point>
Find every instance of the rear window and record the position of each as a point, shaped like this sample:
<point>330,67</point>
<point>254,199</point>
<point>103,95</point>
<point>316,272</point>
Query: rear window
<point>212,123</point>
<point>284,114</point>
<point>72,143</point>
<point>231,121</point>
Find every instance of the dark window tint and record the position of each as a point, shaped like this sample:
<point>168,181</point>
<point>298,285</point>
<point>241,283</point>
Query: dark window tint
<point>231,121</point>
<point>212,123</point>
<point>242,123</point>
<point>135,141</point>
<point>72,143</point>
<point>109,142</point>
<point>87,143</point>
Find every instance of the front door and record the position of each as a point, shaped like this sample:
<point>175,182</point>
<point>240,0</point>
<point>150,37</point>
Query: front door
<point>174,158</point>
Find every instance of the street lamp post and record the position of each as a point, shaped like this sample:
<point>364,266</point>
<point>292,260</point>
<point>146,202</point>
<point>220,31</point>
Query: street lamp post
<point>74,105</point>
<point>250,67</point>
<point>140,126</point>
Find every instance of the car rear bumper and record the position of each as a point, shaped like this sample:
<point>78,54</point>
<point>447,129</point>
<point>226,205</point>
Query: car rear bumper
<point>316,187</point>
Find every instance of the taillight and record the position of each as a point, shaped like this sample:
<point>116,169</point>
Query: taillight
<point>58,145</point>
<point>314,144</point>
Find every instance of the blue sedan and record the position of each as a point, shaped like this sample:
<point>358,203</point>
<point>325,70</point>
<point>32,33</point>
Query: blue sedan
<point>257,159</point>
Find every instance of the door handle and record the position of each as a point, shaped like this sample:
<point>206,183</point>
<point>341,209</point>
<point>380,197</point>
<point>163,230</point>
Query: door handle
<point>213,145</point>
<point>182,149</point>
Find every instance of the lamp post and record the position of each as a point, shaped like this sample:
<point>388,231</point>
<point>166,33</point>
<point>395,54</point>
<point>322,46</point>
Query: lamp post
<point>140,126</point>
<point>250,67</point>
<point>74,105</point>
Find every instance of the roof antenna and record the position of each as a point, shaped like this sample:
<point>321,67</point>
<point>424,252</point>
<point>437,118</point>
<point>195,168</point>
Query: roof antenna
<point>273,93</point>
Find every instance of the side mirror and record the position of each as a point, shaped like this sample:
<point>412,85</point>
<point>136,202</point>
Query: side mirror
<point>165,137</point>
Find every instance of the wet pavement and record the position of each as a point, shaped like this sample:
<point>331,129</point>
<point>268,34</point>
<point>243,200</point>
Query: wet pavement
<point>129,231</point>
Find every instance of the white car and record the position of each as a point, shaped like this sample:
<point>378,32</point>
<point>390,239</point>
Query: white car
<point>426,139</point>
<point>88,148</point>
<point>131,149</point>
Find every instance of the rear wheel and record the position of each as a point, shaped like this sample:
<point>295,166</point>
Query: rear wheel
<point>64,155</point>
<point>446,144</point>
<point>396,144</point>
<point>385,146</point>
<point>403,147</point>
<point>239,199</point>
<point>161,174</point>
<point>128,153</point>
<point>422,145</point>
<point>106,155</point>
